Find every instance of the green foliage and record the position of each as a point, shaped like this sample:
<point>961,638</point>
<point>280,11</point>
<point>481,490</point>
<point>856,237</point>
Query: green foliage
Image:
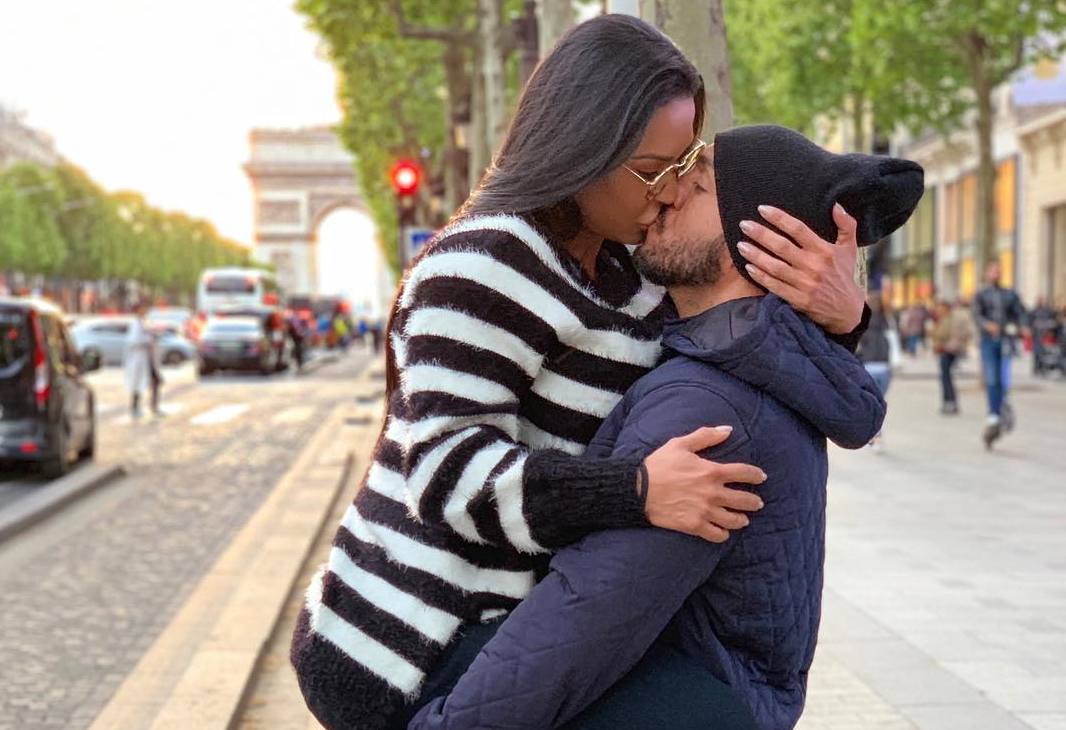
<point>909,60</point>
<point>391,90</point>
<point>58,222</point>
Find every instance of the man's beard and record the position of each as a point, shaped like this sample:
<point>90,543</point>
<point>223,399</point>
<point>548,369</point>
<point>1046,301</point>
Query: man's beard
<point>682,262</point>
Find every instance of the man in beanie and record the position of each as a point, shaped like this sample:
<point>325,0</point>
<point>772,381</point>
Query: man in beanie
<point>692,633</point>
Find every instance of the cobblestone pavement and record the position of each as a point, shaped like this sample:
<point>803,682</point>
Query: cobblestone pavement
<point>84,594</point>
<point>945,602</point>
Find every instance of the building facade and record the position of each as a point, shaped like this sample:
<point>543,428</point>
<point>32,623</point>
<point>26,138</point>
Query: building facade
<point>22,143</point>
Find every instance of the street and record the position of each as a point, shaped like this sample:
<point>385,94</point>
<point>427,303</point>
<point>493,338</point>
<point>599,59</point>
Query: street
<point>86,591</point>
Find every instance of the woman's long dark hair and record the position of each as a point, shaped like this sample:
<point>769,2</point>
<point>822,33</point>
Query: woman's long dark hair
<point>582,114</point>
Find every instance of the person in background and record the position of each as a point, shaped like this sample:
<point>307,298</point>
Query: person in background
<point>951,338</point>
<point>875,351</point>
<point>911,322</point>
<point>1000,317</point>
<point>1044,322</point>
<point>297,332</point>
<point>141,368</point>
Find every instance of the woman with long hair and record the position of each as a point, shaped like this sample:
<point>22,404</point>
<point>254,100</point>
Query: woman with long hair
<point>511,339</point>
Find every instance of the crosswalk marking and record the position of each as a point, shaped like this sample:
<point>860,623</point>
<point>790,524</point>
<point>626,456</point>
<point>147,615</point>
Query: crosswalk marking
<point>293,415</point>
<point>219,414</point>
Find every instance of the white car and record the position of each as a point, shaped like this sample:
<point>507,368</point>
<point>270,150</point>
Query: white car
<point>103,341</point>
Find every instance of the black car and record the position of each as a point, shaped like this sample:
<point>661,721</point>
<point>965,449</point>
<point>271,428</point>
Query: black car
<point>236,343</point>
<point>47,411</point>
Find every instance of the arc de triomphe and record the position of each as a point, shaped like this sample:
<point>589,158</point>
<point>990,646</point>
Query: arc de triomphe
<point>298,176</point>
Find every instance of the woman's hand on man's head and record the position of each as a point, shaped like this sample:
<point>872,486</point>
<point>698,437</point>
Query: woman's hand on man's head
<point>815,276</point>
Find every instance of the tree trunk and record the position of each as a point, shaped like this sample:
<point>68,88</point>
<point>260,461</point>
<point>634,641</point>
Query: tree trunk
<point>456,146</point>
<point>986,174</point>
<point>698,28</point>
<point>554,18</point>
<point>491,57</point>
<point>858,123</point>
<point>478,138</point>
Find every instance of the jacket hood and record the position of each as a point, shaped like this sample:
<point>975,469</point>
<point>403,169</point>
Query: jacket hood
<point>767,344</point>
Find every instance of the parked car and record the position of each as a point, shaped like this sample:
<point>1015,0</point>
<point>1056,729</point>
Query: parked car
<point>103,341</point>
<point>273,322</point>
<point>47,410</point>
<point>237,343</point>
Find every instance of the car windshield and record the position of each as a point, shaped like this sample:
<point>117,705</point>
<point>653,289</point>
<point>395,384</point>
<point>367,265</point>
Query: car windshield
<point>14,338</point>
<point>233,328</point>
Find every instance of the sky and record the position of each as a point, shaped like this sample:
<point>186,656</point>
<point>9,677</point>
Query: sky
<point>159,96</point>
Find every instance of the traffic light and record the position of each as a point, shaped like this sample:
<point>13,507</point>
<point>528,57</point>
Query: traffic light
<point>406,177</point>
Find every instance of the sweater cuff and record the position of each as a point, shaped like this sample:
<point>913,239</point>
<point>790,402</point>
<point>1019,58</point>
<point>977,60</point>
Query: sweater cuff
<point>850,340</point>
<point>567,497</point>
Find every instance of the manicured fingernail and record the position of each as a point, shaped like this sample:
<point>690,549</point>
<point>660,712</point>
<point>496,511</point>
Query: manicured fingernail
<point>724,429</point>
<point>761,504</point>
<point>747,226</point>
<point>767,210</point>
<point>764,477</point>
<point>751,269</point>
<point>840,209</point>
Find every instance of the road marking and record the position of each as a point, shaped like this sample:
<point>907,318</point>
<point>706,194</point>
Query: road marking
<point>220,414</point>
<point>293,415</point>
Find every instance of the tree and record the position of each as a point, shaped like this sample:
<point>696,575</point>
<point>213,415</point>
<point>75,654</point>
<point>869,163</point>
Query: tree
<point>699,29</point>
<point>920,64</point>
<point>398,90</point>
<point>37,244</point>
<point>554,18</point>
<point>980,45</point>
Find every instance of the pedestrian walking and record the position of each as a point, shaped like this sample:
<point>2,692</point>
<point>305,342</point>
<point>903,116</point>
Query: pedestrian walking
<point>141,364</point>
<point>875,352</point>
<point>952,335</point>
<point>298,334</point>
<point>1000,318</point>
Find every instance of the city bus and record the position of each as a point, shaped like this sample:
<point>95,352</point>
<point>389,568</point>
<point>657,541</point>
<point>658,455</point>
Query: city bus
<point>235,287</point>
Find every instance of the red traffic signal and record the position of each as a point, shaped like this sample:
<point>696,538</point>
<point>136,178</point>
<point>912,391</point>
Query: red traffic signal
<point>406,177</point>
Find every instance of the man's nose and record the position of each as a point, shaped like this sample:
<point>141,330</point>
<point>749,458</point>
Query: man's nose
<point>668,195</point>
<point>683,190</point>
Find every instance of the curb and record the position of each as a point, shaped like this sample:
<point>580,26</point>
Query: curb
<point>197,672</point>
<point>54,496</point>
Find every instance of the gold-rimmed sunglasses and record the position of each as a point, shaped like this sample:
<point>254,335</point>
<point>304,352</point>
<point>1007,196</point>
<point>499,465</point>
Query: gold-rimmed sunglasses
<point>657,184</point>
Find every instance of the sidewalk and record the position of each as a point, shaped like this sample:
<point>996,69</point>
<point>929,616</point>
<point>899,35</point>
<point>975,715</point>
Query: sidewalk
<point>945,597</point>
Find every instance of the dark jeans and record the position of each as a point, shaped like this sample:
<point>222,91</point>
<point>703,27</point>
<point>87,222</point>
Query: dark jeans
<point>947,377</point>
<point>666,689</point>
<point>995,362</point>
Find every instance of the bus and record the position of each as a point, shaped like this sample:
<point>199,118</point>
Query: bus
<point>235,287</point>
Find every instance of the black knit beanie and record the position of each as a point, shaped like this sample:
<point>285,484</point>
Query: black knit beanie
<point>770,165</point>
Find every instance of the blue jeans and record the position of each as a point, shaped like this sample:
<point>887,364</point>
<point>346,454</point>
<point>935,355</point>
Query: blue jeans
<point>995,362</point>
<point>881,372</point>
<point>666,689</point>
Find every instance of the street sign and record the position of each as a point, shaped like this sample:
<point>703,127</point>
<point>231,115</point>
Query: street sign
<point>414,240</point>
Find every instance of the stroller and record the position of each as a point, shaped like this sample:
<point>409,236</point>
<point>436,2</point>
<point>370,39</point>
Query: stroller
<point>1052,356</point>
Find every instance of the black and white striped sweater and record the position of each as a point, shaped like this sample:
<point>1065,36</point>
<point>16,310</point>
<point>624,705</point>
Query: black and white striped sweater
<point>509,361</point>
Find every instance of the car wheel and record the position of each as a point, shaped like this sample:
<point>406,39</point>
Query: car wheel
<point>58,465</point>
<point>88,450</point>
<point>173,357</point>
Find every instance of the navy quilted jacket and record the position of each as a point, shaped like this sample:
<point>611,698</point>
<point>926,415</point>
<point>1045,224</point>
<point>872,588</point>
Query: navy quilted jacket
<point>747,609</point>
